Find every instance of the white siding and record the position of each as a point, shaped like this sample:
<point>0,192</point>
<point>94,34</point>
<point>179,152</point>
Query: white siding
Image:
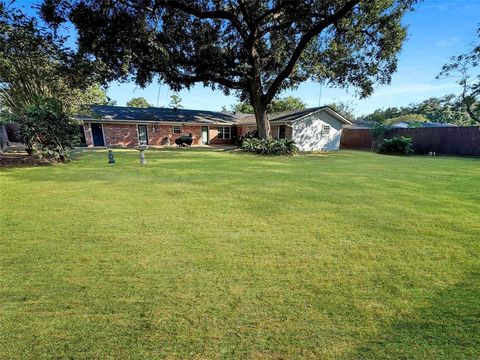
<point>308,135</point>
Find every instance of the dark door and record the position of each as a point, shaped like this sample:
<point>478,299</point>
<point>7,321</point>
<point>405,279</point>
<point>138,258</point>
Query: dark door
<point>142,135</point>
<point>97,134</point>
<point>83,141</point>
<point>282,131</point>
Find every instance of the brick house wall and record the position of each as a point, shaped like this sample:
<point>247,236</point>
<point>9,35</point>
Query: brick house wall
<point>161,135</point>
<point>120,134</point>
<point>213,136</point>
<point>196,132</point>
<point>245,129</point>
<point>126,135</point>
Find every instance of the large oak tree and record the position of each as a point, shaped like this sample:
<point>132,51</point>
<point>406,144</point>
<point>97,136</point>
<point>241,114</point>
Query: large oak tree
<point>254,48</point>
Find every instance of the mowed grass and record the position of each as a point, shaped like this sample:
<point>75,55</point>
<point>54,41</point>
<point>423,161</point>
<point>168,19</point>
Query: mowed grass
<point>222,255</point>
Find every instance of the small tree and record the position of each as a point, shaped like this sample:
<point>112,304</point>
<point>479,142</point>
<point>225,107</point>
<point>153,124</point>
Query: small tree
<point>378,131</point>
<point>35,65</point>
<point>46,126</point>
<point>461,67</point>
<point>138,102</point>
<point>176,101</point>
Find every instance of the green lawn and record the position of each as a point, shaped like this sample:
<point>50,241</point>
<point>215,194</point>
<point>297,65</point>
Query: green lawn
<point>203,254</point>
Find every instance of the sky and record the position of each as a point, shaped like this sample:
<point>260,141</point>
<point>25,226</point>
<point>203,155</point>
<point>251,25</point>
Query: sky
<point>437,30</point>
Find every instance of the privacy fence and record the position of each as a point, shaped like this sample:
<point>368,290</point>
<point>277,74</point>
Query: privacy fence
<point>445,140</point>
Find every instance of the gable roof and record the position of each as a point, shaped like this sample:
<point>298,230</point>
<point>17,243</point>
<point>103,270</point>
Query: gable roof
<point>107,113</point>
<point>294,115</point>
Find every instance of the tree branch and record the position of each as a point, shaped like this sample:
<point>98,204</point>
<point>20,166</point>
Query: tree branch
<point>191,79</point>
<point>302,44</point>
<point>206,14</point>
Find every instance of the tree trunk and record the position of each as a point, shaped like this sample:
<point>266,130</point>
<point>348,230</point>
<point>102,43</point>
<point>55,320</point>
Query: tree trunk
<point>3,138</point>
<point>263,125</point>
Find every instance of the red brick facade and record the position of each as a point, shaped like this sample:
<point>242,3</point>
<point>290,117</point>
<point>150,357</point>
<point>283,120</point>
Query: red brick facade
<point>120,134</point>
<point>126,135</point>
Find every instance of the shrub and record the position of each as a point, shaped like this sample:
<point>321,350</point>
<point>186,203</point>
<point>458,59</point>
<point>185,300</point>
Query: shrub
<point>269,146</point>
<point>46,125</point>
<point>238,140</point>
<point>397,145</point>
<point>378,131</point>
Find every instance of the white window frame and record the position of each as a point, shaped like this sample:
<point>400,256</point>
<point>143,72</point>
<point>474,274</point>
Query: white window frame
<point>222,132</point>
<point>177,127</point>
<point>138,133</point>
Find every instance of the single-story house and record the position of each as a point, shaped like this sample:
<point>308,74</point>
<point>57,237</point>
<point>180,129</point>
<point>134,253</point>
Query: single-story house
<point>312,129</point>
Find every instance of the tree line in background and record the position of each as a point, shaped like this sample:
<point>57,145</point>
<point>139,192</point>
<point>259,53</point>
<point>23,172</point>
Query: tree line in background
<point>141,102</point>
<point>447,109</point>
<point>462,109</point>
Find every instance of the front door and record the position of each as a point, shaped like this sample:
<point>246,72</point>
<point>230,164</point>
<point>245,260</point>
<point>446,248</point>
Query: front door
<point>204,134</point>
<point>142,135</point>
<point>97,134</point>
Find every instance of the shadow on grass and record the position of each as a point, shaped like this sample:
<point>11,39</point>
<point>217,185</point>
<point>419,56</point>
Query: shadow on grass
<point>449,328</point>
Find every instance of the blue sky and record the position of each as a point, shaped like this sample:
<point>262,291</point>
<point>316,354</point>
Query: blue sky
<point>438,29</point>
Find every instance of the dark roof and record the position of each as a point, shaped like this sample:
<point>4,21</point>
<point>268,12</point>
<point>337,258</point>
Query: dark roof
<point>107,113</point>
<point>132,114</point>
<point>287,115</point>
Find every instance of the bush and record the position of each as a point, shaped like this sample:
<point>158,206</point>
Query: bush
<point>48,128</point>
<point>269,146</point>
<point>238,140</point>
<point>397,145</point>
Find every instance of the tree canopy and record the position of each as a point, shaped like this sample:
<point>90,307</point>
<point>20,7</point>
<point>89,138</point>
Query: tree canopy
<point>344,108</point>
<point>35,63</point>
<point>447,109</point>
<point>256,49</point>
<point>42,84</point>
<point>138,102</point>
<point>276,106</point>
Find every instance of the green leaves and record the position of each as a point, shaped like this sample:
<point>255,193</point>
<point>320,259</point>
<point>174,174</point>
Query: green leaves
<point>399,145</point>
<point>138,102</point>
<point>269,146</point>
<point>47,127</point>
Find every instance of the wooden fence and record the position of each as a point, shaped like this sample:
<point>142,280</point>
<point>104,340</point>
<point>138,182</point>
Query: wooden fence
<point>444,140</point>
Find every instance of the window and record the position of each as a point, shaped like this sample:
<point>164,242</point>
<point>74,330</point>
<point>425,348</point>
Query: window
<point>177,129</point>
<point>325,129</point>
<point>223,132</point>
